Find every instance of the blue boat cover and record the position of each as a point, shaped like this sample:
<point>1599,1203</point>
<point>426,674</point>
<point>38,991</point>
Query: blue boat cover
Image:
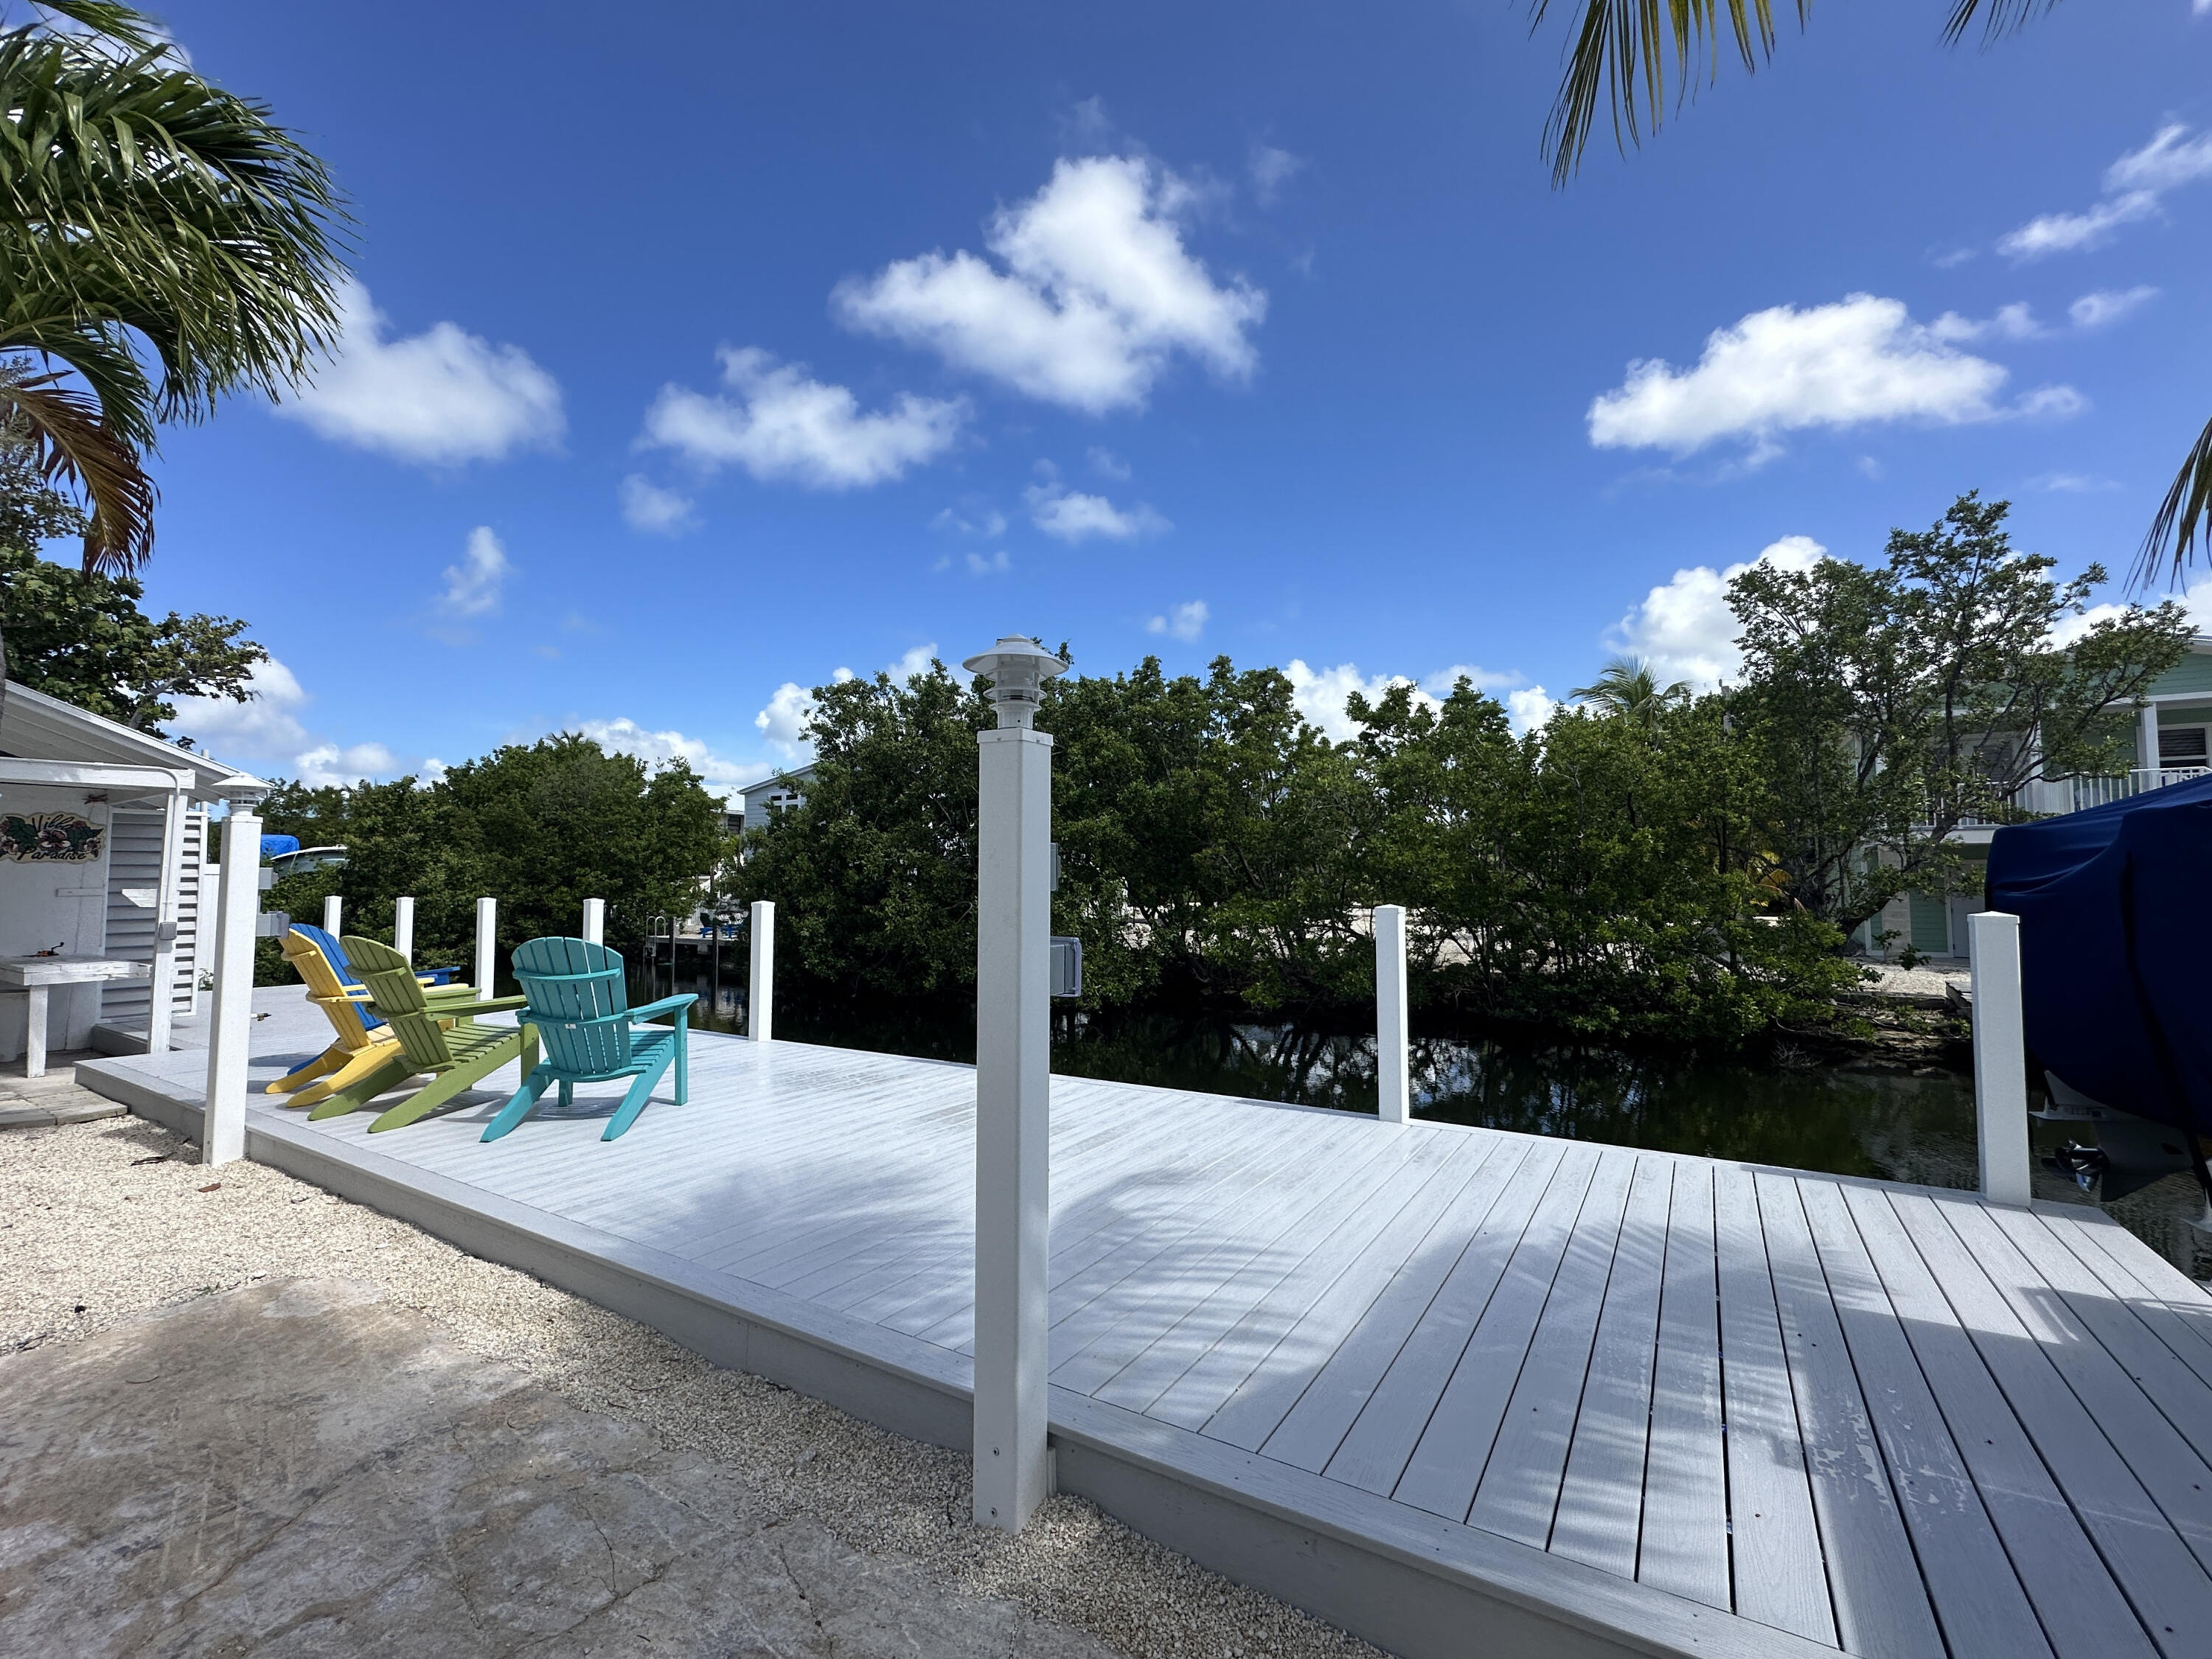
<point>2115,908</point>
<point>272,845</point>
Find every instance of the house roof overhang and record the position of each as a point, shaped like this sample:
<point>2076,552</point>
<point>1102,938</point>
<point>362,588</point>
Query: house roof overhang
<point>34,726</point>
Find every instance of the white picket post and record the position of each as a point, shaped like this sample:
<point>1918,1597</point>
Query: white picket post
<point>333,913</point>
<point>402,928</point>
<point>487,944</point>
<point>2000,1057</point>
<point>760,987</point>
<point>595,922</point>
<point>230,1021</point>
<point>1393,1068</point>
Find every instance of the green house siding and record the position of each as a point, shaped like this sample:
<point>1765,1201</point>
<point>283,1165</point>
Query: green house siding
<point>1930,928</point>
<point>2192,673</point>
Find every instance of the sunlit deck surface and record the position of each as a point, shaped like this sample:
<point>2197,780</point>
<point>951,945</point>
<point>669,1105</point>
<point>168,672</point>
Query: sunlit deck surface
<point>1456,1390</point>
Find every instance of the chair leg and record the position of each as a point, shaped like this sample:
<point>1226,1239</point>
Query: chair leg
<point>466,1075</point>
<point>568,1092</point>
<point>520,1105</point>
<point>682,1056</point>
<point>633,1102</point>
<point>389,1075</point>
<point>300,1076</point>
<point>358,1065</point>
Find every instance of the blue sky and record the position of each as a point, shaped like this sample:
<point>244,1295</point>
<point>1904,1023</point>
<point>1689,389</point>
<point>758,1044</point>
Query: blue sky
<point>703,352</point>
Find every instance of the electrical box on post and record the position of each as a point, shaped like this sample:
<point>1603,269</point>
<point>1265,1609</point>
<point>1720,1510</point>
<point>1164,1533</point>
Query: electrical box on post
<point>1066,967</point>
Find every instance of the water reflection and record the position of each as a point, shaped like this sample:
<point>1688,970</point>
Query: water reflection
<point>1912,1125</point>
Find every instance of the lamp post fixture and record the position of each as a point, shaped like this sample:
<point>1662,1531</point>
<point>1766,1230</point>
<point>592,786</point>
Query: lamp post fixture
<point>1013,1078</point>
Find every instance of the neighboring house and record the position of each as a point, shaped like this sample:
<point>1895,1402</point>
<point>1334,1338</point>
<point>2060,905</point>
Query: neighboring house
<point>101,831</point>
<point>780,792</point>
<point>2173,743</point>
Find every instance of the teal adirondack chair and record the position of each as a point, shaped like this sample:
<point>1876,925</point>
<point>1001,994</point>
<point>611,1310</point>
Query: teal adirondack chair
<point>457,1055</point>
<point>578,1004</point>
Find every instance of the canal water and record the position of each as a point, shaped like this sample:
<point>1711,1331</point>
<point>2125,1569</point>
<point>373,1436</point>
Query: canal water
<point>1898,1124</point>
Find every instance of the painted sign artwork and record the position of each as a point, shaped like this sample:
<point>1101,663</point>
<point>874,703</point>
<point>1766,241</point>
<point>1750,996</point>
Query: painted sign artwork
<point>49,838</point>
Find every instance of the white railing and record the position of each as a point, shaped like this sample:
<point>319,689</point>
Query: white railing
<point>2099,792</point>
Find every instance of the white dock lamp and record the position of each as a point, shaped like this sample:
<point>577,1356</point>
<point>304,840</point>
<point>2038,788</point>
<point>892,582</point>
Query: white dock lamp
<point>1014,1118</point>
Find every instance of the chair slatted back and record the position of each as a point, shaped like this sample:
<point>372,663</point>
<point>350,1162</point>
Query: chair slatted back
<point>326,988</point>
<point>332,950</point>
<point>569,982</point>
<point>390,980</point>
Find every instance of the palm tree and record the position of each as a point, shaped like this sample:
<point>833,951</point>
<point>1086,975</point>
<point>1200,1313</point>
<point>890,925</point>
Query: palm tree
<point>1619,57</point>
<point>1628,690</point>
<point>143,211</point>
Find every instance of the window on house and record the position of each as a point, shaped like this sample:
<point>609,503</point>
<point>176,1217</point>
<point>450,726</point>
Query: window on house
<point>2181,745</point>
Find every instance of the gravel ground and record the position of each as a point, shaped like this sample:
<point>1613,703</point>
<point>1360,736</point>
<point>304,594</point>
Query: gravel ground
<point>100,1220</point>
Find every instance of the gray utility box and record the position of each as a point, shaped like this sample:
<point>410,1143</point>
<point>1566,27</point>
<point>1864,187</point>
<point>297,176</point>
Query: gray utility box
<point>1067,966</point>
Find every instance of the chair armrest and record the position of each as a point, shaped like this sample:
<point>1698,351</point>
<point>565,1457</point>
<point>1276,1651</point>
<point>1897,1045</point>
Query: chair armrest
<point>676,1005</point>
<point>462,1009</point>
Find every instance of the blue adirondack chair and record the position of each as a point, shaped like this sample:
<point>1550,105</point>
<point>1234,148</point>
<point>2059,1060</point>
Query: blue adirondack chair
<point>578,1004</point>
<point>335,952</point>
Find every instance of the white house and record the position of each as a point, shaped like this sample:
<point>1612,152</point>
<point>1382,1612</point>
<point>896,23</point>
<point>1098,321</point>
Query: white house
<point>782,792</point>
<point>101,831</point>
<point>2173,743</point>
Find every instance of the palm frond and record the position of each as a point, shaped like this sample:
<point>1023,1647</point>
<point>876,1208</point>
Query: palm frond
<point>1999,18</point>
<point>75,446</point>
<point>1617,53</point>
<point>2183,517</point>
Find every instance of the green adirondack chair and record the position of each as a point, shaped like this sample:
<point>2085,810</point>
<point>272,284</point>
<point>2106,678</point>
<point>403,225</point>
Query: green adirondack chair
<point>456,1058</point>
<point>578,1004</point>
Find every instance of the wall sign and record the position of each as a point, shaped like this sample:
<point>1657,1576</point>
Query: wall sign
<point>49,838</point>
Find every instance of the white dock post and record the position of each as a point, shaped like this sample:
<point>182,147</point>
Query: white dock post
<point>402,928</point>
<point>760,986</point>
<point>1013,1082</point>
<point>2000,1057</point>
<point>230,1021</point>
<point>595,922</point>
<point>487,944</point>
<point>1392,1072</point>
<point>333,913</point>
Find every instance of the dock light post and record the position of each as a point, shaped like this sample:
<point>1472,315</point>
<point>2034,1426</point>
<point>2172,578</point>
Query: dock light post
<point>230,1021</point>
<point>760,986</point>
<point>2000,1057</point>
<point>402,928</point>
<point>595,922</point>
<point>487,944</point>
<point>333,913</point>
<point>1013,1081</point>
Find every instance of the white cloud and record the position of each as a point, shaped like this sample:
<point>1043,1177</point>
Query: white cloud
<point>1097,294</point>
<point>472,587</point>
<point>2070,484</point>
<point>327,766</point>
<point>1271,170</point>
<point>2196,599</point>
<point>1070,515</point>
<point>2014,322</point>
<point>1859,361</point>
<point>2133,185</point>
<point>2108,306</point>
<point>1684,627</point>
<point>2057,401</point>
<point>623,735</point>
<point>1107,464</point>
<point>646,505</point>
<point>781,425</point>
<point>1182,621</point>
<point>783,723</point>
<point>439,398</point>
<point>1529,709</point>
<point>997,564</point>
<point>1320,694</point>
<point>268,735</point>
<point>987,521</point>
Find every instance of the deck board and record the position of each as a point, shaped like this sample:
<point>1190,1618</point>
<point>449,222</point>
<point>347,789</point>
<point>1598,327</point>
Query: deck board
<point>1715,1410</point>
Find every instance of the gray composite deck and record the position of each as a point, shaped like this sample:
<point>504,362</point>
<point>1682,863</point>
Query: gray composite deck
<point>1593,1399</point>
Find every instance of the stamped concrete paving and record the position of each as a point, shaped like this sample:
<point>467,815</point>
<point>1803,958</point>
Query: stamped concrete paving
<point>300,1468</point>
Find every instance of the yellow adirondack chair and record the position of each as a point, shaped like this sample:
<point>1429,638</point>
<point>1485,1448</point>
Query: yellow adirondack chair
<point>358,1050</point>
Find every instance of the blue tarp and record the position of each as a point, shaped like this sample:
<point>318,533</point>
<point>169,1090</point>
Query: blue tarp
<point>272,845</point>
<point>2115,908</point>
